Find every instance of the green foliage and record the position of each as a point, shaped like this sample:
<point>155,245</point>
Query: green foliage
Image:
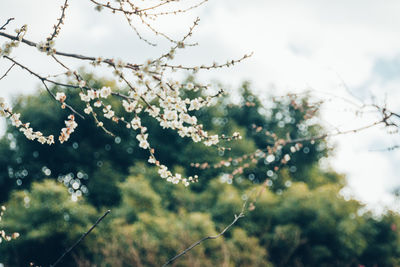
<point>48,221</point>
<point>138,197</point>
<point>103,188</point>
<point>299,219</point>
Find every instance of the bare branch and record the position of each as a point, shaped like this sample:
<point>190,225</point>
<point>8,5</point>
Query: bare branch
<point>391,148</point>
<point>64,104</point>
<point>60,22</point>
<point>195,244</point>
<point>214,66</point>
<point>178,11</point>
<point>43,80</point>
<point>80,239</point>
<point>9,69</point>
<point>338,132</point>
<point>5,24</point>
<point>77,56</point>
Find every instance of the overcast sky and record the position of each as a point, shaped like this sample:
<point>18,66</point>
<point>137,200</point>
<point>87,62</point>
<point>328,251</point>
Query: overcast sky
<point>298,45</point>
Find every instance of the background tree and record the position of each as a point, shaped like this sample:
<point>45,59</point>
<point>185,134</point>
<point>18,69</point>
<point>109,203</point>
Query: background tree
<point>297,218</point>
<point>302,221</point>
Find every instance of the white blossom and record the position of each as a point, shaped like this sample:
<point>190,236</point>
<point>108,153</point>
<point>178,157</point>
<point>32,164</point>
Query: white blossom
<point>88,110</point>
<point>129,105</point>
<point>195,104</point>
<point>136,123</point>
<point>82,83</point>
<point>60,96</point>
<point>143,141</point>
<point>105,92</point>
<point>84,97</point>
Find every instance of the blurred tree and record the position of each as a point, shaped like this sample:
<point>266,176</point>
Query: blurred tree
<point>84,156</point>
<point>300,219</point>
<point>48,222</point>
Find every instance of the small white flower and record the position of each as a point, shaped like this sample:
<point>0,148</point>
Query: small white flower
<point>97,104</point>
<point>88,110</point>
<point>170,115</point>
<point>129,106</point>
<point>92,94</point>
<point>60,96</point>
<point>105,92</point>
<point>189,86</point>
<point>84,97</point>
<point>82,83</point>
<point>152,160</point>
<point>153,111</point>
<point>136,123</point>
<point>163,171</point>
<point>143,141</point>
<point>109,114</point>
<point>212,140</point>
<point>195,104</point>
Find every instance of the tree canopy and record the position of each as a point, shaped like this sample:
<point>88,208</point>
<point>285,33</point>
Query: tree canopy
<point>296,217</point>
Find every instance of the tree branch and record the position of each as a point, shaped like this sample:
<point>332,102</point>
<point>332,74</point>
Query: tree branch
<point>60,22</point>
<point>77,56</point>
<point>5,24</point>
<point>80,239</point>
<point>237,217</point>
<point>9,69</point>
<point>43,80</point>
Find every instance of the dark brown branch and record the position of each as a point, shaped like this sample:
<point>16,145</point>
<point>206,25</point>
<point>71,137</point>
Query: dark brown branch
<point>5,24</point>
<point>43,80</point>
<point>60,83</point>
<point>64,54</point>
<point>142,14</point>
<point>62,64</point>
<point>174,12</point>
<point>130,65</point>
<point>182,42</point>
<point>237,217</point>
<point>5,74</point>
<point>113,9</point>
<point>214,66</point>
<point>142,11</point>
<point>323,136</point>
<point>80,239</point>
<point>391,148</point>
<point>60,22</point>
<point>64,104</point>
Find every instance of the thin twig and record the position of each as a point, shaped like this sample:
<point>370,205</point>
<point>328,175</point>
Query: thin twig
<point>391,148</point>
<point>64,54</point>
<point>60,22</point>
<point>5,74</point>
<point>130,65</point>
<point>80,239</point>
<point>64,104</point>
<point>237,217</point>
<point>5,24</point>
<point>43,80</point>
<point>323,136</point>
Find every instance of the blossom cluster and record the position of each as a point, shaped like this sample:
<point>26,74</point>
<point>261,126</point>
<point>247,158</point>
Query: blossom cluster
<point>29,133</point>
<point>175,179</point>
<point>70,128</point>
<point>7,47</point>
<point>3,235</point>
<point>161,100</point>
<point>152,90</point>
<point>47,47</point>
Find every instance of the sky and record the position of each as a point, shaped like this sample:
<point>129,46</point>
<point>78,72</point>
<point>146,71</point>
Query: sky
<point>344,48</point>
